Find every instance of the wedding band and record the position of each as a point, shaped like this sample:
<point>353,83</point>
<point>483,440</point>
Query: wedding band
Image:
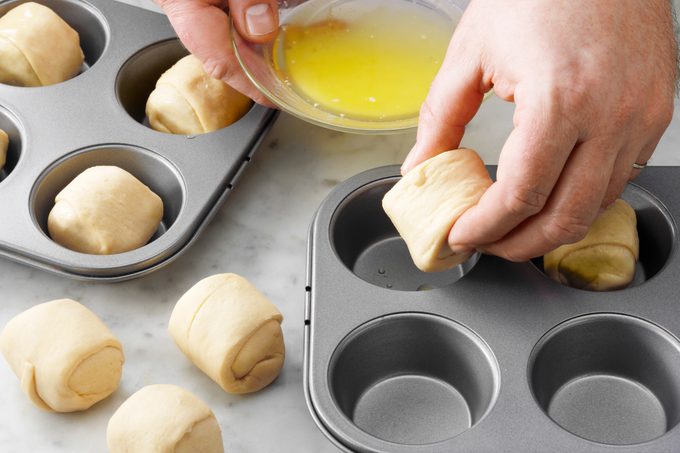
<point>639,166</point>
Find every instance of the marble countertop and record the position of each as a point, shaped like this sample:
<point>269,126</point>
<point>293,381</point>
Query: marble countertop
<point>260,233</point>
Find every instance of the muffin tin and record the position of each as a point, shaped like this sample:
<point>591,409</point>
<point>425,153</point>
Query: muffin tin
<point>97,118</point>
<point>492,355</point>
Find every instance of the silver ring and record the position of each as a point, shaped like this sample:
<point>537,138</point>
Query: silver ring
<point>639,166</point>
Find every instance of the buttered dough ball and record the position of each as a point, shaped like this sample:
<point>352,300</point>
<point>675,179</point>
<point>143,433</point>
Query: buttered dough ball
<point>163,419</point>
<point>231,331</point>
<point>426,203</point>
<point>4,144</point>
<point>104,210</point>
<point>37,47</point>
<point>605,259</point>
<point>188,101</point>
<point>63,354</point>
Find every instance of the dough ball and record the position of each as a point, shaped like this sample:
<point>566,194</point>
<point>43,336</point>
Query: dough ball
<point>37,47</point>
<point>63,354</point>
<point>426,203</point>
<point>104,210</point>
<point>605,259</point>
<point>231,331</point>
<point>188,101</point>
<point>4,144</point>
<point>163,419</point>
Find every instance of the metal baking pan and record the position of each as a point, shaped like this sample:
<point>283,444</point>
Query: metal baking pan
<point>492,356</point>
<point>97,118</point>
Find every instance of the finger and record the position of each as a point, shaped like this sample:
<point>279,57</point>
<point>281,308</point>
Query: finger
<point>622,173</point>
<point>211,41</point>
<point>571,209</point>
<point>644,156</point>
<point>530,164</point>
<point>453,100</point>
<point>255,20</point>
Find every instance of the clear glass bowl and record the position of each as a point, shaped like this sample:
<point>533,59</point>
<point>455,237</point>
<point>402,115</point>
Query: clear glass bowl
<point>257,60</point>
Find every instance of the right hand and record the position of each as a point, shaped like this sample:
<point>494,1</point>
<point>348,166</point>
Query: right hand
<point>204,29</point>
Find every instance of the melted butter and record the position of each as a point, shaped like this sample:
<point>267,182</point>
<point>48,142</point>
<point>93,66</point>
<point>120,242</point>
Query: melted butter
<point>366,59</point>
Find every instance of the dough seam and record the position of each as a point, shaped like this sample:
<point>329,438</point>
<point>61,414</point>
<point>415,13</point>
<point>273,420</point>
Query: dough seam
<point>563,279</point>
<point>193,317</point>
<point>599,244</point>
<point>244,342</point>
<point>11,42</point>
<point>32,389</point>
<point>101,347</point>
<point>186,99</point>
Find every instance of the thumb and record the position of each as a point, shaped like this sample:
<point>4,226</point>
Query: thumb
<point>255,20</point>
<point>453,100</point>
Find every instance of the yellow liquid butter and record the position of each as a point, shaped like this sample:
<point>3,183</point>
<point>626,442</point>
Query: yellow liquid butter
<point>364,59</point>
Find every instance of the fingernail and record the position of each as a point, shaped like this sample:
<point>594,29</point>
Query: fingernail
<point>260,19</point>
<point>460,248</point>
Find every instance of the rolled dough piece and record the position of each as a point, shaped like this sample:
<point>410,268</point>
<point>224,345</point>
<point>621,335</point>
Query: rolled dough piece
<point>231,331</point>
<point>63,354</point>
<point>163,419</point>
<point>37,47</point>
<point>104,210</point>
<point>4,144</point>
<point>426,203</point>
<point>605,259</point>
<point>188,101</point>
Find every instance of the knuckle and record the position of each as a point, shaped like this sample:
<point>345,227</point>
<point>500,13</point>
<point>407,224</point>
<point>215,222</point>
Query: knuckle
<point>564,229</point>
<point>660,117</point>
<point>525,201</point>
<point>218,68</point>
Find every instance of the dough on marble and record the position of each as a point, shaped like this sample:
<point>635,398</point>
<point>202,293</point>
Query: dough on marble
<point>4,144</point>
<point>63,354</point>
<point>426,203</point>
<point>231,331</point>
<point>163,418</point>
<point>605,259</point>
<point>37,47</point>
<point>104,210</point>
<point>188,101</point>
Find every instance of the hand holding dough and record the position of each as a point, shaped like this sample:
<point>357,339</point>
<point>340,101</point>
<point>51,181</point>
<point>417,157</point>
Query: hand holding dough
<point>104,210</point>
<point>63,354</point>
<point>231,331</point>
<point>37,47</point>
<point>163,419</point>
<point>426,203</point>
<point>188,101</point>
<point>605,259</point>
<point>4,144</point>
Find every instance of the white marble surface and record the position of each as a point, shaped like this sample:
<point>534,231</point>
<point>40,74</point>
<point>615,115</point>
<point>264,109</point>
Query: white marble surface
<point>260,233</point>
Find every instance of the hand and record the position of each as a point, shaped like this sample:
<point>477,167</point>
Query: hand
<point>203,27</point>
<point>593,83</point>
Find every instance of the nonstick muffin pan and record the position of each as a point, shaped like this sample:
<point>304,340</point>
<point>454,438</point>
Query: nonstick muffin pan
<point>492,356</point>
<point>97,118</point>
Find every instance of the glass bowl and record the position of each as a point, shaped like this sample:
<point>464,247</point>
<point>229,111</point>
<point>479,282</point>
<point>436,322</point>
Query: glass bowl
<point>261,63</point>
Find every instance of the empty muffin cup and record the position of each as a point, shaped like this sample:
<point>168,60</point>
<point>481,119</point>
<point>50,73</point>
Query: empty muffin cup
<point>608,378</point>
<point>369,245</point>
<point>413,379</point>
<point>151,169</point>
<point>83,18</point>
